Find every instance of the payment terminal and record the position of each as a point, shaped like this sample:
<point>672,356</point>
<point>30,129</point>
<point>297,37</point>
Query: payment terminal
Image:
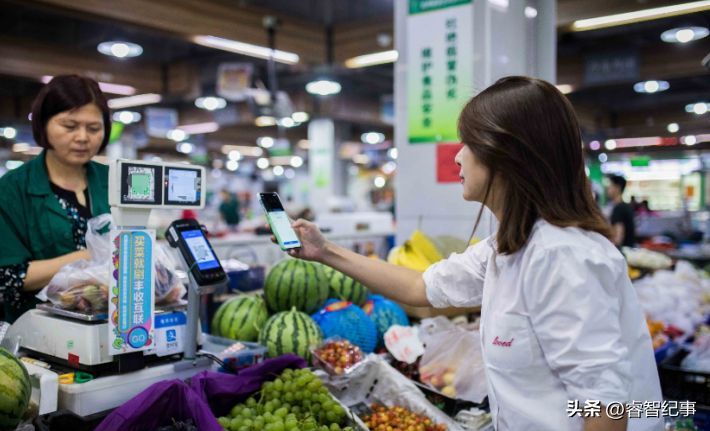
<point>187,235</point>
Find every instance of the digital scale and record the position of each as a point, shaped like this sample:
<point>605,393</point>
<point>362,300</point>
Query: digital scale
<point>132,345</point>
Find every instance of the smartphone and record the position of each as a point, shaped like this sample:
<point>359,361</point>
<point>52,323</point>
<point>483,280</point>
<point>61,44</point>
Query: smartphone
<point>279,221</point>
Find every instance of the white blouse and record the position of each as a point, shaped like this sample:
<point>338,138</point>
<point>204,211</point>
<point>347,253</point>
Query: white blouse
<point>560,321</point>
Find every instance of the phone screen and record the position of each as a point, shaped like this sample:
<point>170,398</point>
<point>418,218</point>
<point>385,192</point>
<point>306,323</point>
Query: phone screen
<point>279,221</point>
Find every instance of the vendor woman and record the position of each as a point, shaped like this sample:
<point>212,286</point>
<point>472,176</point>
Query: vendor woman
<point>45,203</point>
<point>561,325</point>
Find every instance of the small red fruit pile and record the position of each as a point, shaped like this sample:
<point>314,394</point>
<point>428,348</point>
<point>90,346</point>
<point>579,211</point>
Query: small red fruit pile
<point>398,419</point>
<point>339,355</point>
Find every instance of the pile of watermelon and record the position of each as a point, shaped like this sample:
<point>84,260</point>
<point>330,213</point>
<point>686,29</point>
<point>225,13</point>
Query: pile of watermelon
<point>15,390</point>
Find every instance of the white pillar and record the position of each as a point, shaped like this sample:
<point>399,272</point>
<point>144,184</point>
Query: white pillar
<point>321,156</point>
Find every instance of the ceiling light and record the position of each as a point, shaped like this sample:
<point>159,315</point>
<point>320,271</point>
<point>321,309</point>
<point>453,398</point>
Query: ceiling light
<point>246,49</point>
<point>234,155</point>
<point>296,161</point>
<point>372,138</point>
<point>565,88</point>
<point>673,127</point>
<point>684,34</point>
<point>698,108</point>
<point>120,49</point>
<point>594,145</point>
<point>265,121</point>
<point>640,15</point>
<point>265,142</point>
<point>689,140</point>
<point>323,87</point>
<point>262,163</point>
<point>286,122</point>
<point>290,173</point>
<point>8,132</point>
<point>210,103</point>
<point>137,100</point>
<point>185,147</point>
<point>389,167</point>
<point>127,117</point>
<point>176,135</point>
<point>651,86</point>
<point>232,165</point>
<point>244,150</point>
<point>393,153</point>
<point>106,87</point>
<point>13,164</point>
<point>530,12</point>
<point>278,170</point>
<point>610,144</point>
<point>603,157</point>
<point>300,117</point>
<point>199,128</point>
<point>382,57</point>
<point>20,147</point>
<point>380,182</point>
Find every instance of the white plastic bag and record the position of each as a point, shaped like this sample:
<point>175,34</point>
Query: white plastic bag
<point>452,362</point>
<point>168,288</point>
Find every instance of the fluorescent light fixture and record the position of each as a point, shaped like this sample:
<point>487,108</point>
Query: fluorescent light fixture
<point>286,122</point>
<point>684,34</point>
<point>126,117</point>
<point>176,135</point>
<point>372,138</point>
<point>594,145</point>
<point>379,182</point>
<point>689,140</point>
<point>382,57</point>
<point>265,121</point>
<point>137,100</point>
<point>120,49</point>
<point>296,161</point>
<point>640,15</point>
<point>265,142</point>
<point>20,147</point>
<point>232,165</point>
<point>290,173</point>
<point>13,164</point>
<point>234,155</point>
<point>698,108</point>
<point>300,117</point>
<point>323,87</point>
<point>246,49</point>
<point>502,5</point>
<point>603,157</point>
<point>262,163</point>
<point>244,150</point>
<point>393,153</point>
<point>185,147</point>
<point>610,144</point>
<point>672,127</point>
<point>199,128</point>
<point>210,103</point>
<point>106,87</point>
<point>278,170</point>
<point>530,12</point>
<point>8,132</point>
<point>651,86</point>
<point>565,88</point>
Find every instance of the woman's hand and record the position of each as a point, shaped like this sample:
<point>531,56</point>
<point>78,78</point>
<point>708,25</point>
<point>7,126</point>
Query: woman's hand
<point>313,243</point>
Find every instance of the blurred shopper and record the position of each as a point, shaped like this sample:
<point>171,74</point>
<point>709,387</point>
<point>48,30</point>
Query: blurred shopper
<point>560,320</point>
<point>622,214</point>
<point>45,203</point>
<point>229,209</point>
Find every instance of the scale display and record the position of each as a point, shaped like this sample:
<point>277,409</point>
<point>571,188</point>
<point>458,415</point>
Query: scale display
<point>183,186</point>
<point>140,184</point>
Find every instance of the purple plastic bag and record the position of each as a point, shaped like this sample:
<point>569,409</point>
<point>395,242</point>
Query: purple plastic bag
<point>157,406</point>
<point>209,395</point>
<point>222,391</point>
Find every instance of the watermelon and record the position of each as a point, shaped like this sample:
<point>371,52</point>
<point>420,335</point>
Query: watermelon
<point>296,283</point>
<point>345,288</point>
<point>346,320</point>
<point>15,390</point>
<point>240,318</point>
<point>290,332</point>
<point>384,313</point>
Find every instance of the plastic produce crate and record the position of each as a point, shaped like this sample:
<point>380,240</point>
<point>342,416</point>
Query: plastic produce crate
<point>678,383</point>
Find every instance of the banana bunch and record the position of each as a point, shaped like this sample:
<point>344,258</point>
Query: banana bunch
<point>418,253</point>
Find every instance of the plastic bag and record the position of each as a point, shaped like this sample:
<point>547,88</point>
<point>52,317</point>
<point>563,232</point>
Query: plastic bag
<point>168,288</point>
<point>83,285</point>
<point>452,362</point>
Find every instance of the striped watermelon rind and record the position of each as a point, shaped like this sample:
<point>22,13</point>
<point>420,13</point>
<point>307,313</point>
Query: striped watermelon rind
<point>15,390</point>
<point>295,283</point>
<point>290,332</point>
<point>345,288</point>
<point>240,318</point>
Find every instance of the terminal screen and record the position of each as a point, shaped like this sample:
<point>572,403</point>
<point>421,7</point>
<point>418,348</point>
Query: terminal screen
<point>182,186</point>
<point>200,249</point>
<point>139,184</point>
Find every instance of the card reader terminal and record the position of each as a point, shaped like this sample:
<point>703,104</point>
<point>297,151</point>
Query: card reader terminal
<point>187,235</point>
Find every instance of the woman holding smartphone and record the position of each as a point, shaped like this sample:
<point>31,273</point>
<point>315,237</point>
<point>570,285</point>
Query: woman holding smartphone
<point>560,321</point>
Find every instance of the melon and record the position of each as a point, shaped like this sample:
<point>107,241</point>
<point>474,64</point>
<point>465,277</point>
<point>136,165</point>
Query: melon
<point>290,332</point>
<point>15,390</point>
<point>384,313</point>
<point>240,318</point>
<point>296,283</point>
<point>346,320</point>
<point>345,288</point>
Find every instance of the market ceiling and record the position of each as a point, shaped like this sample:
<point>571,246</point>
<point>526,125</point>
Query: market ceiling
<point>49,37</point>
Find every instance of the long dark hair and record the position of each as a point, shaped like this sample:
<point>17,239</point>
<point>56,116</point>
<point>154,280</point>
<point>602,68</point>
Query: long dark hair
<point>526,133</point>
